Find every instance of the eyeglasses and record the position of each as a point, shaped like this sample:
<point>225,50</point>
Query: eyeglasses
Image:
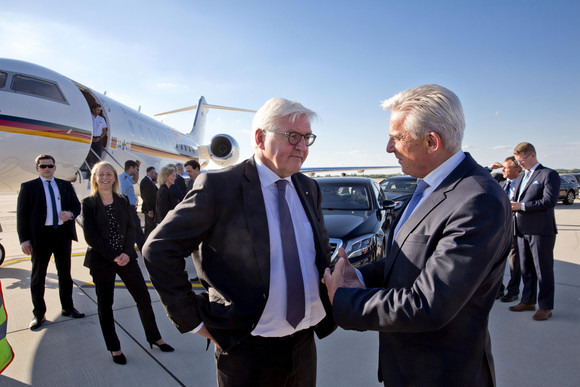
<point>295,137</point>
<point>46,166</point>
<point>523,158</point>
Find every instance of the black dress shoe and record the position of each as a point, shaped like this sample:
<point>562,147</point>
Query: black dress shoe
<point>119,359</point>
<point>163,347</point>
<point>509,298</point>
<point>73,313</point>
<point>499,295</point>
<point>36,323</point>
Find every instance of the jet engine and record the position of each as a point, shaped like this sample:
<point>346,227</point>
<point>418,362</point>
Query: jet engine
<point>222,150</point>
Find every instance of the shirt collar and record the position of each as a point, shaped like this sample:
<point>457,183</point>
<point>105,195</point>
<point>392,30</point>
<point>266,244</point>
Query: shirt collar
<point>436,176</point>
<point>532,169</point>
<point>267,176</point>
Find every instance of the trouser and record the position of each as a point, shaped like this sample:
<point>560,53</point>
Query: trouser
<point>262,361</point>
<point>131,275</point>
<point>537,263</point>
<point>513,286</point>
<point>150,225</point>
<point>51,241</point>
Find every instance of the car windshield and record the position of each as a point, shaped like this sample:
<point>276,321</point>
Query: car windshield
<point>399,185</point>
<point>341,196</point>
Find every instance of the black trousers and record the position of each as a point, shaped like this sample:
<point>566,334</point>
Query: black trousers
<point>51,241</point>
<point>513,286</point>
<point>269,362</point>
<point>131,275</point>
<point>150,225</point>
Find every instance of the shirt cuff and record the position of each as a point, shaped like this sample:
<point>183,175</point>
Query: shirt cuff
<point>197,328</point>
<point>523,206</point>
<point>360,277</point>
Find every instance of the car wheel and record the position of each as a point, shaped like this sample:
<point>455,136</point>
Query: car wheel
<point>569,198</point>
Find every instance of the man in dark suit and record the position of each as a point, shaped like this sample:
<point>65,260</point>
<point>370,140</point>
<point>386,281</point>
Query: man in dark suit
<point>430,297</point>
<point>148,191</point>
<point>260,248</point>
<point>537,192</point>
<point>179,180</point>
<point>192,168</point>
<point>46,210</point>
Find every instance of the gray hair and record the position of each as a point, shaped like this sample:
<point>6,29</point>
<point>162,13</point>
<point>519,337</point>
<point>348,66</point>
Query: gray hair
<point>431,108</point>
<point>276,109</point>
<point>165,172</point>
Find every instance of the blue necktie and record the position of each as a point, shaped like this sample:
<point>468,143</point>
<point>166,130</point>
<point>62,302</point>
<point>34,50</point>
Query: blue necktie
<point>415,199</point>
<point>294,283</point>
<point>524,182</point>
<point>507,187</point>
<point>53,201</point>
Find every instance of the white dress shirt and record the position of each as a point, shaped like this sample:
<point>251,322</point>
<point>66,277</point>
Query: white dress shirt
<point>273,322</point>
<point>48,221</point>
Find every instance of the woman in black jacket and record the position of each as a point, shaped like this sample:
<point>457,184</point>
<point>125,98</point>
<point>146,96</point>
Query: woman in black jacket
<point>166,200</point>
<point>110,233</point>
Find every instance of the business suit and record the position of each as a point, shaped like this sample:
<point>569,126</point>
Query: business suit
<point>223,222</point>
<point>513,286</point>
<point>45,240</point>
<point>164,202</point>
<point>536,231</point>
<point>99,259</point>
<point>430,297</point>
<point>149,195</point>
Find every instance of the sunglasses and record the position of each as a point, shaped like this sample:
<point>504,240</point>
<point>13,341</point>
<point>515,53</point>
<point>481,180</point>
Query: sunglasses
<point>42,166</point>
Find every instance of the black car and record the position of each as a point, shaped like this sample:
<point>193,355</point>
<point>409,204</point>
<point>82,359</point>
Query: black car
<point>568,190</point>
<point>399,189</point>
<point>357,216</point>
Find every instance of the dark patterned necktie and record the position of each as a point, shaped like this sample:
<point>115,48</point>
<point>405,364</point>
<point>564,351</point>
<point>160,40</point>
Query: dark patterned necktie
<point>53,202</point>
<point>294,282</point>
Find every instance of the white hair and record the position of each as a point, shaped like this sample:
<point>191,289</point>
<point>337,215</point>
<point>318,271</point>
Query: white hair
<point>276,109</point>
<point>430,108</point>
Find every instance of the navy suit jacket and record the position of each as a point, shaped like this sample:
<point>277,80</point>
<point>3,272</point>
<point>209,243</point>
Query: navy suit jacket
<point>31,209</point>
<point>430,298</point>
<point>539,196</point>
<point>222,220</point>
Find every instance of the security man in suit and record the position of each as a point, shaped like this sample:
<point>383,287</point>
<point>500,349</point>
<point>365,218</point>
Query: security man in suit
<point>148,191</point>
<point>537,191</point>
<point>430,298</point>
<point>260,248</point>
<point>46,210</point>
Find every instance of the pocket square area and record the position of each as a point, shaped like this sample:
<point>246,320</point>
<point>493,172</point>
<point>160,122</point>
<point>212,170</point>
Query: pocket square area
<point>536,182</point>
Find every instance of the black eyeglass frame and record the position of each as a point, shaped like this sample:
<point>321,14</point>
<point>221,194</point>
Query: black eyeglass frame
<point>43,166</point>
<point>307,137</point>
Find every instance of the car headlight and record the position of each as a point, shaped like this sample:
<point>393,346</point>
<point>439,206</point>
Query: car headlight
<point>398,204</point>
<point>360,245</point>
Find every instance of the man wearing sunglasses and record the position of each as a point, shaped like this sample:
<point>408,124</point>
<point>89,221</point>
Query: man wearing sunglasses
<point>260,248</point>
<point>46,210</point>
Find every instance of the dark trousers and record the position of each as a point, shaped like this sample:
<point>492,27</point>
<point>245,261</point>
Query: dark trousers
<point>150,225</point>
<point>139,236</point>
<point>269,362</point>
<point>537,264</point>
<point>51,241</point>
<point>513,286</point>
<point>131,275</point>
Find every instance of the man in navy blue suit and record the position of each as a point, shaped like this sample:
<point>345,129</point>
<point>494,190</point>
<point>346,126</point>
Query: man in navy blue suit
<point>46,210</point>
<point>536,194</point>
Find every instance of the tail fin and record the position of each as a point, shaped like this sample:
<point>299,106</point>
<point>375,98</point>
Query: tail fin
<point>198,129</point>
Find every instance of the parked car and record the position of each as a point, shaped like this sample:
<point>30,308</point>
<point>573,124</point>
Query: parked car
<point>568,190</point>
<point>572,178</point>
<point>399,189</point>
<point>357,216</point>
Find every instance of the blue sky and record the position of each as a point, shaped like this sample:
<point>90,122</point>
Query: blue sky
<point>515,65</point>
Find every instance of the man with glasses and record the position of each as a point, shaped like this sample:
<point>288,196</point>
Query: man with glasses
<point>46,210</point>
<point>259,245</point>
<point>535,196</point>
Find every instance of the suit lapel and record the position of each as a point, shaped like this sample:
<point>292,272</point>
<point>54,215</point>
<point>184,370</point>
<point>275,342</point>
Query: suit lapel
<point>39,187</point>
<point>529,182</point>
<point>255,210</point>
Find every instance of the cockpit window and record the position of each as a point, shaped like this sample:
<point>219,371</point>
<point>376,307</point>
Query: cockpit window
<point>3,77</point>
<point>37,87</point>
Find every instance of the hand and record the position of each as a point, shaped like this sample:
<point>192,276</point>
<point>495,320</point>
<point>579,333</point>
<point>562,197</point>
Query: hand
<point>150,214</point>
<point>66,216</point>
<point>496,165</point>
<point>344,276</point>
<point>122,259</point>
<point>516,206</point>
<point>205,333</point>
<point>26,247</point>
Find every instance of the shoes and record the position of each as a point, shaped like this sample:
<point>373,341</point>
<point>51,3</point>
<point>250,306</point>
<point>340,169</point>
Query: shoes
<point>521,307</point>
<point>119,359</point>
<point>542,315</point>
<point>499,295</point>
<point>194,280</point>
<point>36,323</point>
<point>72,313</point>
<point>509,298</point>
<point>163,347</point>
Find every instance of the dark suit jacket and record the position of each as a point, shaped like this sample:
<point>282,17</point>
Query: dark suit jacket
<point>180,183</point>
<point>148,194</point>
<point>223,222</point>
<point>96,228</point>
<point>430,297</point>
<point>31,209</point>
<point>540,196</point>
<point>165,202</point>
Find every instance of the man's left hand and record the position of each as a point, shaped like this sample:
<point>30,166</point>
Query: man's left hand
<point>343,276</point>
<point>516,206</point>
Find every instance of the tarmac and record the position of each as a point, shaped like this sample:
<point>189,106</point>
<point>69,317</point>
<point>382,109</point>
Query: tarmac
<point>71,352</point>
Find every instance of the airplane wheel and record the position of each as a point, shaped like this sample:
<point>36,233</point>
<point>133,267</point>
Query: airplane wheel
<point>2,254</point>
